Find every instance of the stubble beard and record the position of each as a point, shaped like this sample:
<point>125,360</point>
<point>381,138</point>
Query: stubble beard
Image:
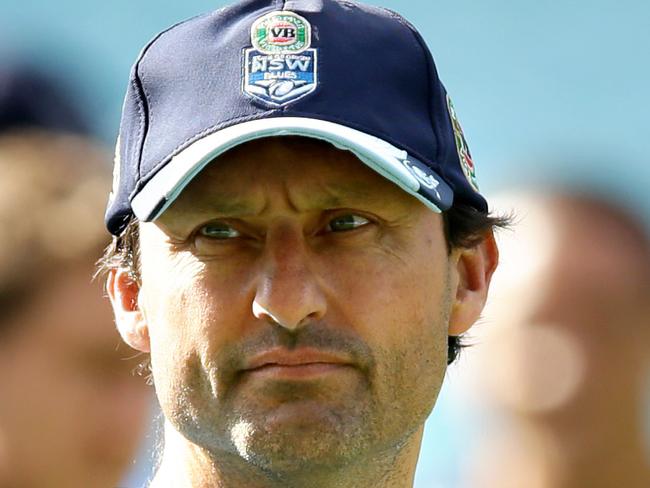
<point>329,433</point>
<point>344,431</point>
<point>330,436</point>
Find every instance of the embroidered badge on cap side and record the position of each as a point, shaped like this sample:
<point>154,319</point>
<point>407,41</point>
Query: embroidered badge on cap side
<point>281,67</point>
<point>466,163</point>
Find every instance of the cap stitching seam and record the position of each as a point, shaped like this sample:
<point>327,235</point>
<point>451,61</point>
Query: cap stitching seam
<point>144,95</point>
<point>148,121</point>
<point>140,105</point>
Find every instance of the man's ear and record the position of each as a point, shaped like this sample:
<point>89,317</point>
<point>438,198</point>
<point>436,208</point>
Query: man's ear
<point>123,292</point>
<point>474,269</point>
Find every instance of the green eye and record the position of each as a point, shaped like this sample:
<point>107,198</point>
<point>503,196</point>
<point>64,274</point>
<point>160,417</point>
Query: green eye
<point>219,230</point>
<point>346,222</point>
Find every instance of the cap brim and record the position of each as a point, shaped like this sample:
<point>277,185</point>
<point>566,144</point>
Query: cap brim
<point>397,165</point>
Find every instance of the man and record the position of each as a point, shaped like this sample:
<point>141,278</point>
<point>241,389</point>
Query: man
<point>281,249</point>
<point>565,369</point>
<point>72,413</point>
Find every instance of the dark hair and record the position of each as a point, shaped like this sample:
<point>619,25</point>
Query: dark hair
<point>465,227</point>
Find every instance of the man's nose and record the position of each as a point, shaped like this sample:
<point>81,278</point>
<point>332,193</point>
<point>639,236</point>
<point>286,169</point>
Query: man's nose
<point>288,291</point>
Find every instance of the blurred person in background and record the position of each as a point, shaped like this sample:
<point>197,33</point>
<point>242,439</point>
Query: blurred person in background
<point>30,98</point>
<point>563,358</point>
<point>72,412</point>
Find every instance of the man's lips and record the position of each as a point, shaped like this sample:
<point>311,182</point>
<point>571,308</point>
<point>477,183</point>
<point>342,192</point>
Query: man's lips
<point>296,363</point>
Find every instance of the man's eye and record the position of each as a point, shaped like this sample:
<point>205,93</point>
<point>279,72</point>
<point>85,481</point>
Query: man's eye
<point>219,230</point>
<point>346,222</point>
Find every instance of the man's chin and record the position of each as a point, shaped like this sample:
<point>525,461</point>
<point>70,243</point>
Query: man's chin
<point>299,435</point>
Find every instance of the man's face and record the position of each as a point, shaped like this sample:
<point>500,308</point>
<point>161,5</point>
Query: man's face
<point>297,305</point>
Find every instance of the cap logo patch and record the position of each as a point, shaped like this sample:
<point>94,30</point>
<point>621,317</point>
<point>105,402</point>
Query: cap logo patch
<point>424,177</point>
<point>280,68</point>
<point>465,157</point>
<point>281,31</point>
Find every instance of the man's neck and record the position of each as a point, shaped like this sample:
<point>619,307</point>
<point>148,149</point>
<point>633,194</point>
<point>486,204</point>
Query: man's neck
<point>185,465</point>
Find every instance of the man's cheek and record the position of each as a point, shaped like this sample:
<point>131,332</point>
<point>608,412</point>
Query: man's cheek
<point>417,351</point>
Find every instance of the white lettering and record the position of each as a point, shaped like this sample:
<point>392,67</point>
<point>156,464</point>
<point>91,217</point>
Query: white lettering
<point>276,65</point>
<point>259,64</point>
<point>302,64</point>
<point>281,63</point>
<point>284,75</point>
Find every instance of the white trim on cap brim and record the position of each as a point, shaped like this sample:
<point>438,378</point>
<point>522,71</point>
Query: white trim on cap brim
<point>159,193</point>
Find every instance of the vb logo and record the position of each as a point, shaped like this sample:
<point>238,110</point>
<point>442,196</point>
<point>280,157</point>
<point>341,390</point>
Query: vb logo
<point>282,33</point>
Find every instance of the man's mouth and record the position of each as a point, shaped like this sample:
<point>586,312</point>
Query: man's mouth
<point>303,363</point>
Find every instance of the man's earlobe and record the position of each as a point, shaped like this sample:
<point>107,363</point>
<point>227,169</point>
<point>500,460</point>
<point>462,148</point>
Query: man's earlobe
<point>474,267</point>
<point>123,292</point>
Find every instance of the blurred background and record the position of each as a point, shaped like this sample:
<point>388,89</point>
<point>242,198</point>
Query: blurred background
<point>553,97</point>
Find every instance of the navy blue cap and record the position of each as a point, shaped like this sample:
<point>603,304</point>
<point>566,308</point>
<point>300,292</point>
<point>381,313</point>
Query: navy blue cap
<point>357,76</point>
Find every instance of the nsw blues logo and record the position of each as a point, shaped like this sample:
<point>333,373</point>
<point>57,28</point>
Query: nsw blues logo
<point>280,68</point>
<point>278,79</point>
